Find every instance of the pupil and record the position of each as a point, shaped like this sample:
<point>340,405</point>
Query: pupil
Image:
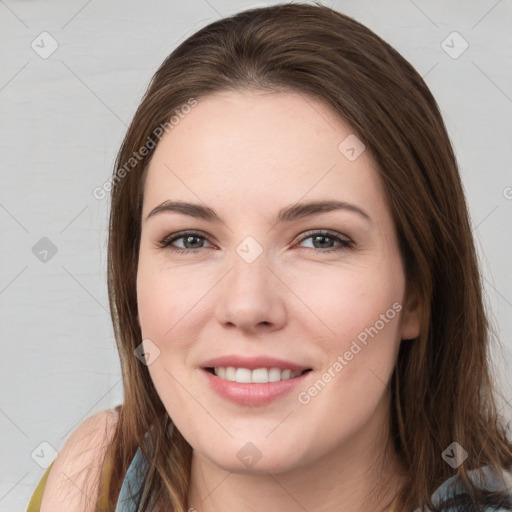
<point>191,238</point>
<point>321,237</point>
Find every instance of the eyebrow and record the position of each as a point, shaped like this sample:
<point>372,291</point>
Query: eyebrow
<point>287,214</point>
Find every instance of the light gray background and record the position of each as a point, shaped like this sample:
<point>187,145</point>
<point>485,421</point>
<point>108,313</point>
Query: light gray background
<point>63,119</point>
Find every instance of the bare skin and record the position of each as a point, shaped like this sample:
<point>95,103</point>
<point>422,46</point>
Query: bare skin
<point>247,155</point>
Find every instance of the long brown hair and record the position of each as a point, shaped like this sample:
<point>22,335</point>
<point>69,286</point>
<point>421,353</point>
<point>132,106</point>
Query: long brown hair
<point>442,388</point>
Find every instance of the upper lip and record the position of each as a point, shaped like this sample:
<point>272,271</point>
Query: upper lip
<point>253,362</point>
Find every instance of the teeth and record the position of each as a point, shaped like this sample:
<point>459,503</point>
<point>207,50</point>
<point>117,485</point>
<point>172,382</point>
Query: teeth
<point>230,374</point>
<point>258,376</point>
<point>274,375</point>
<point>243,375</point>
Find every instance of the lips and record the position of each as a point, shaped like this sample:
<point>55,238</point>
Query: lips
<point>253,392</point>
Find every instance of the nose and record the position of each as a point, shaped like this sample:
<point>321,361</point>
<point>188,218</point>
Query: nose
<point>251,296</point>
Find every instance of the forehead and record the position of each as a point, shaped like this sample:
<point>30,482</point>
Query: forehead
<point>259,149</point>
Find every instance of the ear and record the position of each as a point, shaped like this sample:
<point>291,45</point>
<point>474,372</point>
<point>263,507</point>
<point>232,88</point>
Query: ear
<point>411,316</point>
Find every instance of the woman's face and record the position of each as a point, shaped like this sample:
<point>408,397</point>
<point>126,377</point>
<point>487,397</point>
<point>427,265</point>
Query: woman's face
<point>258,278</point>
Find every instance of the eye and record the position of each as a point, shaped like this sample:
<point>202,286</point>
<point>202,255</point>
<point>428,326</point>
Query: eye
<point>193,241</point>
<point>320,237</point>
<point>192,238</point>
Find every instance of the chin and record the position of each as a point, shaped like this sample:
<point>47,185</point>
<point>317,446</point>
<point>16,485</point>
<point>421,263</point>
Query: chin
<point>253,458</point>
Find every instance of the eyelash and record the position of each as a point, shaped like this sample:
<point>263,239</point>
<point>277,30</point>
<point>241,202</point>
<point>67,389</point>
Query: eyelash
<point>345,242</point>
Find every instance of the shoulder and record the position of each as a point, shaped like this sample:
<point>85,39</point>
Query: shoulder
<point>74,478</point>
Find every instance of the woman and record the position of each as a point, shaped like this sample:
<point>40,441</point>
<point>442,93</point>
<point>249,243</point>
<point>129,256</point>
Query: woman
<point>294,286</point>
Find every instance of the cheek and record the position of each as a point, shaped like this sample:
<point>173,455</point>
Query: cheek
<point>164,296</point>
<point>163,302</point>
<point>152,298</point>
<point>171,308</point>
<point>346,302</point>
<point>360,316</point>
<point>356,326</point>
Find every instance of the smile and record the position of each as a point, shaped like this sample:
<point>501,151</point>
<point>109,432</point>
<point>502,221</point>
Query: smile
<point>255,387</point>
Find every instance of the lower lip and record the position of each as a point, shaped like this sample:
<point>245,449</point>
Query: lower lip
<point>252,394</point>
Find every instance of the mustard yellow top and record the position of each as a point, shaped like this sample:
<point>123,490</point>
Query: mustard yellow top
<point>34,504</point>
